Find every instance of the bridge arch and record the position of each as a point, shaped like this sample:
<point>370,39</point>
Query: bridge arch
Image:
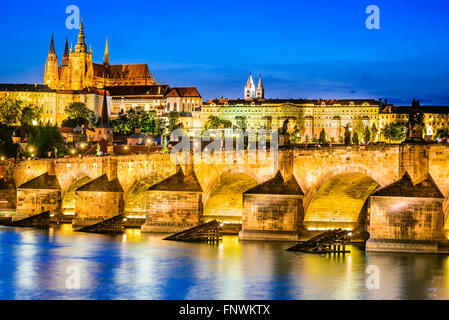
<point>135,197</point>
<point>223,200</point>
<point>68,196</point>
<point>339,198</point>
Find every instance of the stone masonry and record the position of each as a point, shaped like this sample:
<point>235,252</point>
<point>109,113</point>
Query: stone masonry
<point>38,195</point>
<point>98,200</point>
<point>174,204</point>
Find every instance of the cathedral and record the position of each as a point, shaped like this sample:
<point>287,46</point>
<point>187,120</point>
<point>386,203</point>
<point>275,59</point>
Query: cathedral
<point>77,71</point>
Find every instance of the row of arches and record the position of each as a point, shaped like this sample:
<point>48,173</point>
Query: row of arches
<point>338,199</point>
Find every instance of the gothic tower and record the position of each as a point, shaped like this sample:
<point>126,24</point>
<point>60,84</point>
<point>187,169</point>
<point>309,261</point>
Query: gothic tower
<point>51,67</point>
<point>250,89</point>
<point>260,91</point>
<point>81,64</point>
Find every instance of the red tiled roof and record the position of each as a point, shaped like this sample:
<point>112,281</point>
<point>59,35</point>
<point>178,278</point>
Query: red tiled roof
<point>184,92</point>
<point>122,71</point>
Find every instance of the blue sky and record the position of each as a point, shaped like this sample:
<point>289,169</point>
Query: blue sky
<point>307,49</point>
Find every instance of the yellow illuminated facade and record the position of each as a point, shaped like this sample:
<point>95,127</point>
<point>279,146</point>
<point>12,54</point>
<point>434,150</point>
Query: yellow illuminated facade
<point>310,117</point>
<point>52,102</point>
<point>435,118</point>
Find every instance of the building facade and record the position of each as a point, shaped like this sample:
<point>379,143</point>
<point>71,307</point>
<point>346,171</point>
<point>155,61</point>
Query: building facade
<point>52,102</point>
<point>183,100</point>
<point>310,117</point>
<point>435,118</point>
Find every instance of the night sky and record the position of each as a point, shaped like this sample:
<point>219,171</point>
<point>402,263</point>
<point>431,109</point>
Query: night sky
<point>303,49</point>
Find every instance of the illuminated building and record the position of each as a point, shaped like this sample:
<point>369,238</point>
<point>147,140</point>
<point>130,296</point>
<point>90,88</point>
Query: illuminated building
<point>183,100</point>
<point>77,71</point>
<point>151,97</point>
<point>308,116</point>
<point>435,117</point>
<point>52,102</point>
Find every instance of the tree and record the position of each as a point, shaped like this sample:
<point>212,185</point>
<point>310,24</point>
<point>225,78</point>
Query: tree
<point>160,126</point>
<point>147,122</point>
<point>367,135</point>
<point>347,137</point>
<point>29,114</point>
<point>173,121</point>
<point>374,132</point>
<point>45,139</point>
<point>8,149</point>
<point>80,112</point>
<point>322,138</point>
<point>394,132</point>
<point>10,110</point>
<point>359,129</point>
<point>295,136</point>
<point>242,123</point>
<point>442,133</point>
<point>355,138</point>
<point>214,122</point>
<point>122,123</point>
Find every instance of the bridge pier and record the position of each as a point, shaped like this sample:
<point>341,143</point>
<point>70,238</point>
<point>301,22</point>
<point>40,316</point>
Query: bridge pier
<point>407,217</point>
<point>38,195</point>
<point>175,203</point>
<point>273,210</point>
<point>98,200</point>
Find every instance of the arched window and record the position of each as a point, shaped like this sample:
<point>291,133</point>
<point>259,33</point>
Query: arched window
<point>175,107</point>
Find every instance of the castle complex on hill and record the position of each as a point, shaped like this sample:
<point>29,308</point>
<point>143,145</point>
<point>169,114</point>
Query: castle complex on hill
<point>76,78</point>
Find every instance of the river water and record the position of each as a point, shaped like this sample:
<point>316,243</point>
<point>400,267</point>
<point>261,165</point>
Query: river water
<point>50,264</point>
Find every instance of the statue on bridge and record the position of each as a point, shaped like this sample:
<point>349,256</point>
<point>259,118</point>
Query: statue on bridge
<point>415,123</point>
<point>284,137</point>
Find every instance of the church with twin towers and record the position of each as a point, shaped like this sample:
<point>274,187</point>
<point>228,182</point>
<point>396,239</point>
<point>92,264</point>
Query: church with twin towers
<point>251,92</point>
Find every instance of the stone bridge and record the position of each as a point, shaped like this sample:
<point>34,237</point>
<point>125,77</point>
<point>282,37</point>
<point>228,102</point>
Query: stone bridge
<point>317,189</point>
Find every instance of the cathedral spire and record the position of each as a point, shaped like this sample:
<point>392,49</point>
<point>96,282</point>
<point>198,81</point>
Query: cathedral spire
<point>260,91</point>
<point>250,90</point>
<point>104,120</point>
<point>65,57</point>
<point>51,66</point>
<point>106,54</point>
<point>52,46</point>
<point>81,45</point>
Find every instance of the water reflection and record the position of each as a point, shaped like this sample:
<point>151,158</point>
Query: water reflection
<point>143,266</point>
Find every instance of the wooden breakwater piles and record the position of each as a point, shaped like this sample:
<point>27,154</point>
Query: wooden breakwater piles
<point>331,241</point>
<point>207,232</point>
